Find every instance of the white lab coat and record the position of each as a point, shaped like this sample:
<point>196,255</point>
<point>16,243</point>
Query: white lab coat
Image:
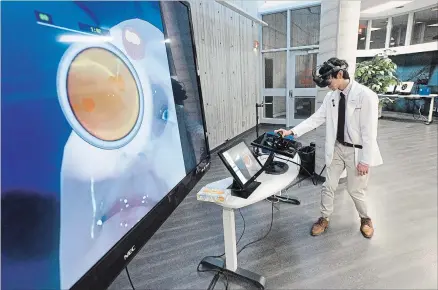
<point>361,118</point>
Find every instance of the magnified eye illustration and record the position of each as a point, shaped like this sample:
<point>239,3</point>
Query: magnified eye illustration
<point>124,152</point>
<point>103,94</point>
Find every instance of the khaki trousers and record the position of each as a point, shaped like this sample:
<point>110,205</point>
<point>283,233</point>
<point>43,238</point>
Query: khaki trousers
<point>344,158</point>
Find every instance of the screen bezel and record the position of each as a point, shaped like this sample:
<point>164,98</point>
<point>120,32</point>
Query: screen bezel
<point>230,169</point>
<point>104,272</point>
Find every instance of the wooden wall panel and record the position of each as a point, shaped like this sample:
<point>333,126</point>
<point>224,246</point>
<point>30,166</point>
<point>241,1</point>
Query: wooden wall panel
<point>229,67</point>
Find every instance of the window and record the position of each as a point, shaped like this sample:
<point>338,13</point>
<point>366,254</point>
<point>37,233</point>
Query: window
<point>275,107</point>
<point>378,33</point>
<point>275,69</point>
<point>425,26</point>
<point>304,26</point>
<point>304,107</point>
<point>362,34</point>
<point>304,65</point>
<point>398,30</point>
<point>275,34</point>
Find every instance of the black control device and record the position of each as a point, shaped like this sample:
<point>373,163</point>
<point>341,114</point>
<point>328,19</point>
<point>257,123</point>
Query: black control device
<point>274,142</point>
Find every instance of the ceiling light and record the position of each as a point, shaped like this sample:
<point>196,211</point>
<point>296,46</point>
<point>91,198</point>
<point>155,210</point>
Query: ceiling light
<point>375,28</point>
<point>435,9</point>
<point>419,22</point>
<point>363,38</point>
<point>433,25</point>
<point>385,6</point>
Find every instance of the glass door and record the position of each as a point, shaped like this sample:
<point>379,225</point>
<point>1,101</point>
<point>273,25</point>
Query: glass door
<point>302,90</point>
<point>275,88</point>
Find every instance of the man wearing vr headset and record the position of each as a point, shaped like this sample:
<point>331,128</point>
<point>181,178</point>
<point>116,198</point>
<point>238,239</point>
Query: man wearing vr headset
<point>350,111</point>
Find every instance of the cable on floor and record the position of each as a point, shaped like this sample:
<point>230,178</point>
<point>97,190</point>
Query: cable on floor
<point>219,272</point>
<point>258,240</point>
<point>129,278</point>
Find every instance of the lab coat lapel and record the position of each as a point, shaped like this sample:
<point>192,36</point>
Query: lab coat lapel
<point>352,101</point>
<point>335,101</point>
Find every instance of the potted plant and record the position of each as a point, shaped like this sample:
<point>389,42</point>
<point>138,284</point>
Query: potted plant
<point>377,74</point>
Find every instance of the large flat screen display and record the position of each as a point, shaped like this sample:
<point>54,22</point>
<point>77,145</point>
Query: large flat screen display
<point>101,117</point>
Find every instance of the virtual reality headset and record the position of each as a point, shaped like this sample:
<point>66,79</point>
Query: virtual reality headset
<point>323,81</point>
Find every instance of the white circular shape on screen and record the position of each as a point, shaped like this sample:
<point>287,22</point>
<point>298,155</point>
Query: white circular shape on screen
<point>63,97</point>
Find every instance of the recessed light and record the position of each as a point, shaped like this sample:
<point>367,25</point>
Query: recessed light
<point>433,25</point>
<point>435,9</point>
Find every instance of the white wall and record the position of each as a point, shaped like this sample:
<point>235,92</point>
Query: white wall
<point>339,23</point>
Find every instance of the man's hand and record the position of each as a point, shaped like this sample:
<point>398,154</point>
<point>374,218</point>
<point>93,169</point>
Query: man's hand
<point>283,132</point>
<point>362,169</point>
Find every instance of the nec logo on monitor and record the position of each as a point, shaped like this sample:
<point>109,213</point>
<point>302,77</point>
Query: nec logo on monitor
<point>129,253</point>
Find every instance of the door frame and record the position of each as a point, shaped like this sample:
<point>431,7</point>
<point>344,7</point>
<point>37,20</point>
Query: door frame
<point>292,91</point>
<point>312,48</point>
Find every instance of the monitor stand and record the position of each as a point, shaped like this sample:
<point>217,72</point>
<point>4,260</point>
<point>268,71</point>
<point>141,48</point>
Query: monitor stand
<point>275,167</point>
<point>237,190</point>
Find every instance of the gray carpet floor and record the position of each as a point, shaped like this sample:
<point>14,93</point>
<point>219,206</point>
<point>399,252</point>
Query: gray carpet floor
<point>401,255</point>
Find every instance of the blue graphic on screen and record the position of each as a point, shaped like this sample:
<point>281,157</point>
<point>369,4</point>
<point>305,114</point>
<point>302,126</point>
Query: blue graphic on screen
<point>90,138</point>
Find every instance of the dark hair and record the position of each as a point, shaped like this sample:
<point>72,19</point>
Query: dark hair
<point>336,62</point>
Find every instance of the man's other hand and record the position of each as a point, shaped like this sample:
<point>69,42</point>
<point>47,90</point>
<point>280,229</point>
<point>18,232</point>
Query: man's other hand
<point>283,132</point>
<point>362,169</point>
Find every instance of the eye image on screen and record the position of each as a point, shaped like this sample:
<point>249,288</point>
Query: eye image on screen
<point>103,94</point>
<point>119,184</point>
<point>96,130</point>
<point>242,162</point>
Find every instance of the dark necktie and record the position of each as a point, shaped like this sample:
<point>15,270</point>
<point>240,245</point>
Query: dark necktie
<point>341,119</point>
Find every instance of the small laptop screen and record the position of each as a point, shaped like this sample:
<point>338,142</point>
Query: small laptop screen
<point>405,87</point>
<point>242,162</point>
